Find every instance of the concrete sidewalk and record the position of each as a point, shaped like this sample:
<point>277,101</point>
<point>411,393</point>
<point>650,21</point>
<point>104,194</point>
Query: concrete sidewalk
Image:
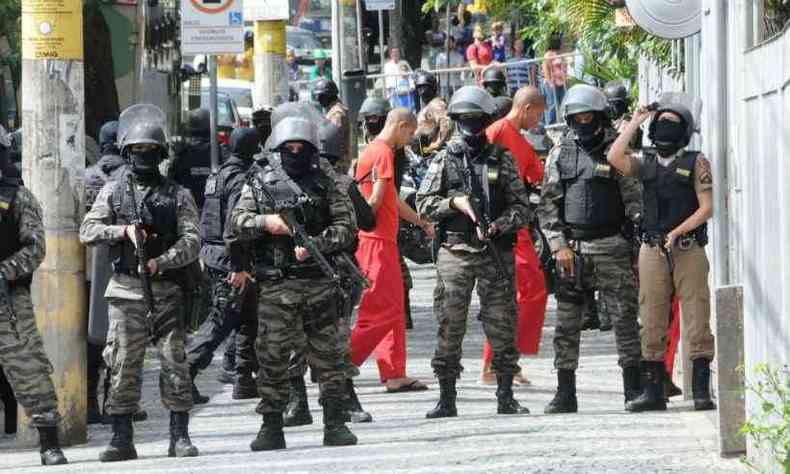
<point>600,438</point>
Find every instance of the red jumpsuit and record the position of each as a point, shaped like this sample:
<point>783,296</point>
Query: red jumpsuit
<point>531,294</point>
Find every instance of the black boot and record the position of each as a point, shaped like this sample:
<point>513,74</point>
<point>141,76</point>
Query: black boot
<point>197,398</point>
<point>652,398</point>
<point>270,436</point>
<point>245,387</point>
<point>336,433</point>
<point>227,374</point>
<point>446,406</point>
<point>297,412</point>
<point>121,446</point>
<point>180,444</point>
<point>506,404</point>
<point>564,400</point>
<point>357,414</point>
<point>700,385</point>
<point>632,383</point>
<point>9,402</point>
<point>51,455</point>
<point>670,389</point>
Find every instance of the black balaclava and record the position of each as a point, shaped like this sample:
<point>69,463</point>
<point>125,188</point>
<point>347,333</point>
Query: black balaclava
<point>668,137</point>
<point>427,93</point>
<point>374,124</point>
<point>472,130</point>
<point>245,143</point>
<point>297,164</point>
<point>588,135</point>
<point>145,165</point>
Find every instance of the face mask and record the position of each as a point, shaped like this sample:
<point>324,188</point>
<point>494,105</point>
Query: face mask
<point>145,165</point>
<point>325,100</point>
<point>667,137</point>
<point>472,126</point>
<point>426,94</point>
<point>374,127</point>
<point>587,134</point>
<point>296,164</point>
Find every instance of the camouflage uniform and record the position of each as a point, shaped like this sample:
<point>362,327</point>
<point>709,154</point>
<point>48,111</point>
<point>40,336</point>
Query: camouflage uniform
<point>22,353</point>
<point>607,268</point>
<point>462,263</point>
<point>295,291</point>
<point>338,114</point>
<point>129,324</point>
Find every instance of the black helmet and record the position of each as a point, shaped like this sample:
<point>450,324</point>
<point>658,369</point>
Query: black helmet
<point>108,137</point>
<point>683,112</point>
<point>245,142</point>
<point>325,91</point>
<point>294,129</point>
<point>331,138</point>
<point>425,78</point>
<point>374,106</point>
<point>503,106</point>
<point>145,132</point>
<point>618,97</point>
<point>471,100</point>
<point>199,122</point>
<point>494,81</point>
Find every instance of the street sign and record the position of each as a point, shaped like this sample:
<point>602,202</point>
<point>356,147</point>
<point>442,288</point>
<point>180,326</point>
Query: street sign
<point>266,10</point>
<point>212,27</point>
<point>373,5</point>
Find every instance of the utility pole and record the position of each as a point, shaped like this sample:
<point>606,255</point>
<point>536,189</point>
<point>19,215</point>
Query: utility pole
<point>271,77</point>
<point>53,107</point>
<point>212,105</point>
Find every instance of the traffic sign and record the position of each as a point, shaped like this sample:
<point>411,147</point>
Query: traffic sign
<point>373,5</point>
<point>266,10</point>
<point>212,27</point>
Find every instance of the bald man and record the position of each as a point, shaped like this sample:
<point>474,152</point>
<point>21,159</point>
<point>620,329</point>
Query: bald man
<point>531,295</point>
<point>381,323</point>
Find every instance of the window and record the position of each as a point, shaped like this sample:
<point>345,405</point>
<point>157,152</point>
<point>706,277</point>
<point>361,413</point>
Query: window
<point>769,18</point>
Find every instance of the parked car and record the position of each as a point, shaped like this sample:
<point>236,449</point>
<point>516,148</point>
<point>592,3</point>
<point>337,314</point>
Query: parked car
<point>304,43</point>
<point>228,117</point>
<point>240,91</point>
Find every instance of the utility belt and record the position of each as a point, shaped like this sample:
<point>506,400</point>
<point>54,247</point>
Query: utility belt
<point>505,242</point>
<point>20,283</point>
<point>264,273</point>
<point>684,242</point>
<point>593,233</point>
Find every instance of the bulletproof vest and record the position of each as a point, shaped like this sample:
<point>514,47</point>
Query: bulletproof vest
<point>458,182</point>
<point>273,192</point>
<point>159,213</point>
<point>192,169</point>
<point>212,220</point>
<point>592,205</point>
<point>9,227</point>
<point>668,196</point>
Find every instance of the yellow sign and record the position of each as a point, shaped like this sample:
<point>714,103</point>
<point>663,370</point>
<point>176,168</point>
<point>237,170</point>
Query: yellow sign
<point>270,37</point>
<point>52,29</point>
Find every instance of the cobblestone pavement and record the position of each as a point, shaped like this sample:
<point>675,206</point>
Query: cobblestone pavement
<point>600,438</point>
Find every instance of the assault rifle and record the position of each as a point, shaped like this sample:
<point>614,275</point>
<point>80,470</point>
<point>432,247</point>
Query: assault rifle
<point>481,208</point>
<point>139,251</point>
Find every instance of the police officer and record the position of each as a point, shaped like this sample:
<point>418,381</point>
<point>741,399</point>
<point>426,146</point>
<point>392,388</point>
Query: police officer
<point>494,81</point>
<point>297,412</point>
<point>297,300</point>
<point>326,93</point>
<point>22,355</point>
<point>584,205</point>
<point>192,164</point>
<point>619,106</point>
<point>677,197</point>
<point>108,168</point>
<point>433,124</point>
<point>172,241</point>
<point>233,293</point>
<point>372,115</point>
<point>469,254</point>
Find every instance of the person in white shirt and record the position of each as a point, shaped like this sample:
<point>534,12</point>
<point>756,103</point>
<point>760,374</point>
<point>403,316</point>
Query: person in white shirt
<point>393,68</point>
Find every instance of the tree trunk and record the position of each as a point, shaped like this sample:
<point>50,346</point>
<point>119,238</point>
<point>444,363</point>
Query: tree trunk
<point>101,104</point>
<point>408,35</point>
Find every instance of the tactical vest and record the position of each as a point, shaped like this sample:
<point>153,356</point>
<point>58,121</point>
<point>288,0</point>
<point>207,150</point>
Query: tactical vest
<point>212,221</point>
<point>95,179</point>
<point>159,212</point>
<point>9,227</point>
<point>458,183</point>
<point>669,197</point>
<point>592,205</point>
<point>277,251</point>
<point>192,168</point>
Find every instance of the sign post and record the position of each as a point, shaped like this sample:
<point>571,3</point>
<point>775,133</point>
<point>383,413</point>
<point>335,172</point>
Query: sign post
<point>271,75</point>
<point>212,27</point>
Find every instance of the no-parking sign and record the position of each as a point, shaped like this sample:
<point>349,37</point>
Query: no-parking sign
<point>212,27</point>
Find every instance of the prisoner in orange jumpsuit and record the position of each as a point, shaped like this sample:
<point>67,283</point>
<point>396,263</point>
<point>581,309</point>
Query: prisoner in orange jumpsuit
<point>531,294</point>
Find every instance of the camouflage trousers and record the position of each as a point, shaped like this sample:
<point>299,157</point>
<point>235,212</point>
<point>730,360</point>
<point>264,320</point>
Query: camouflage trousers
<point>228,311</point>
<point>294,315</point>
<point>129,334</point>
<point>613,277</point>
<point>24,361</point>
<point>457,273</point>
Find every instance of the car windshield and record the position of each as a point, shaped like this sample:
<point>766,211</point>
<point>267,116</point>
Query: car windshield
<point>242,95</point>
<point>225,115</point>
<point>301,40</point>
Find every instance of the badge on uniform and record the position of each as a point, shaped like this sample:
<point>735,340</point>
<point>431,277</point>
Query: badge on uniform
<point>211,185</point>
<point>683,172</point>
